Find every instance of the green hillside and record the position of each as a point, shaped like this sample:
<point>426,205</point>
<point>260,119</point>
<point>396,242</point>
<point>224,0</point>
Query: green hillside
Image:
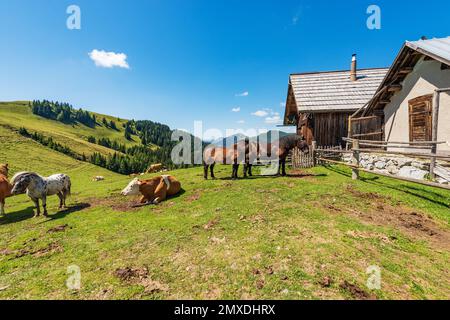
<point>18,114</point>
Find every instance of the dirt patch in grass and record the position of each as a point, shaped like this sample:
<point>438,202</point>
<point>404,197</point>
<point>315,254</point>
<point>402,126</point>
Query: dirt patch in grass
<point>410,222</point>
<point>61,228</point>
<point>141,277</point>
<point>115,203</point>
<point>129,274</point>
<point>356,292</point>
<point>193,197</point>
<point>260,284</point>
<point>6,252</point>
<point>364,195</point>
<point>370,235</point>
<point>326,282</point>
<point>50,249</point>
<point>210,225</point>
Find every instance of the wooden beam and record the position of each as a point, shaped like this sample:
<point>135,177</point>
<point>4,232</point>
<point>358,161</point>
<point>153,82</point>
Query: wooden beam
<point>338,162</point>
<point>434,131</point>
<point>395,87</point>
<point>355,160</point>
<point>399,142</point>
<point>410,154</point>
<point>406,70</point>
<point>368,144</point>
<point>367,134</point>
<point>422,182</point>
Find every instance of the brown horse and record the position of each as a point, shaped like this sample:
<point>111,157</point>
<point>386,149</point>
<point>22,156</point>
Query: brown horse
<point>247,152</point>
<point>5,187</point>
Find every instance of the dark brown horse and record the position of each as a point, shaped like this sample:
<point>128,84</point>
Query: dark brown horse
<point>247,152</point>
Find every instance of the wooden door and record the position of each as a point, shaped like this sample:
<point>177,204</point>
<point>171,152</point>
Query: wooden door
<point>420,118</point>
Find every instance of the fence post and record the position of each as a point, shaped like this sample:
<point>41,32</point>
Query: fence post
<point>434,135</point>
<point>355,160</point>
<point>314,147</point>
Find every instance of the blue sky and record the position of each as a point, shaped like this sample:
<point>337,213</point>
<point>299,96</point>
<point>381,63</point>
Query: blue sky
<point>193,59</point>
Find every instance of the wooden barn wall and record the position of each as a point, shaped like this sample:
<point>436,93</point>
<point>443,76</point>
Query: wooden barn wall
<point>327,129</point>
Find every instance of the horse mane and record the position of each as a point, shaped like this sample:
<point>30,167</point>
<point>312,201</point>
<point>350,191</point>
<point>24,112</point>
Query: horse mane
<point>20,175</point>
<point>4,170</point>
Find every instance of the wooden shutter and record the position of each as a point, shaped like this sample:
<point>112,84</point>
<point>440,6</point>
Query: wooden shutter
<point>420,118</point>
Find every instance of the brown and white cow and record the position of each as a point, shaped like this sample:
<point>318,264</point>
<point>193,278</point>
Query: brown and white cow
<point>153,190</point>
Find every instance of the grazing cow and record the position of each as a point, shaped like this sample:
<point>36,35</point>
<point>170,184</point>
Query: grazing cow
<point>98,178</point>
<point>154,190</point>
<point>5,187</point>
<point>155,168</point>
<point>38,188</point>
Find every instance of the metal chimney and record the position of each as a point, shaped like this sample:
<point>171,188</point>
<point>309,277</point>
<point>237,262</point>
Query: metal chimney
<point>353,74</point>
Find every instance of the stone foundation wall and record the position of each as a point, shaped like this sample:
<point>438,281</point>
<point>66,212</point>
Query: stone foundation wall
<point>395,165</point>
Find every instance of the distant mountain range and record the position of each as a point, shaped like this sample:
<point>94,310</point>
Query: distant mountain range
<point>264,137</point>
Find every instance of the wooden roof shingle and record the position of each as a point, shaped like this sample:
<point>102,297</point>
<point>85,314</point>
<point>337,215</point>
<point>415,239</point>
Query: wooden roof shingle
<point>334,91</point>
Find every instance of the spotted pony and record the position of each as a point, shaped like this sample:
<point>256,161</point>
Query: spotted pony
<point>39,188</point>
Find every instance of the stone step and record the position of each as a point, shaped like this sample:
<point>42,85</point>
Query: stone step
<point>442,172</point>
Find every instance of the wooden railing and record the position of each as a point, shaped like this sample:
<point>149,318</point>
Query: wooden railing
<point>357,147</point>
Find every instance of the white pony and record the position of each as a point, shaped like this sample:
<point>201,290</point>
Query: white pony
<point>38,187</point>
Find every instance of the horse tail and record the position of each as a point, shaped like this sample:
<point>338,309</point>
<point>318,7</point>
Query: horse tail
<point>68,187</point>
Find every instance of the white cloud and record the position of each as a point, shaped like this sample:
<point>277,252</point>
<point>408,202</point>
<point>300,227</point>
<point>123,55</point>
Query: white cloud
<point>243,94</point>
<point>237,109</point>
<point>298,14</point>
<point>260,113</point>
<point>105,59</point>
<point>283,104</point>
<point>276,119</point>
<point>241,122</point>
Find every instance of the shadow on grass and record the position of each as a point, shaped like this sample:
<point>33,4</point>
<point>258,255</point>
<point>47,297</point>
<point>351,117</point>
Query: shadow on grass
<point>13,217</point>
<point>422,193</point>
<point>179,194</point>
<point>28,213</point>
<point>256,177</point>
<point>75,208</point>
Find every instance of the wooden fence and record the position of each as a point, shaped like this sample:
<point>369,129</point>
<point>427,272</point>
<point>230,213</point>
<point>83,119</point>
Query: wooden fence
<point>429,148</point>
<point>335,154</point>
<point>300,160</point>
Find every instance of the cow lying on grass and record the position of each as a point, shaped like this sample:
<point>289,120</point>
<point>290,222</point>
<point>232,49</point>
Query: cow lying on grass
<point>153,191</point>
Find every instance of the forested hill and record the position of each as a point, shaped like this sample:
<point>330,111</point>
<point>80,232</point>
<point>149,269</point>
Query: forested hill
<point>120,145</point>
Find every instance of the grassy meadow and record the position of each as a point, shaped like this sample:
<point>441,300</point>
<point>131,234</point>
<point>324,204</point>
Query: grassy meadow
<point>311,235</point>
